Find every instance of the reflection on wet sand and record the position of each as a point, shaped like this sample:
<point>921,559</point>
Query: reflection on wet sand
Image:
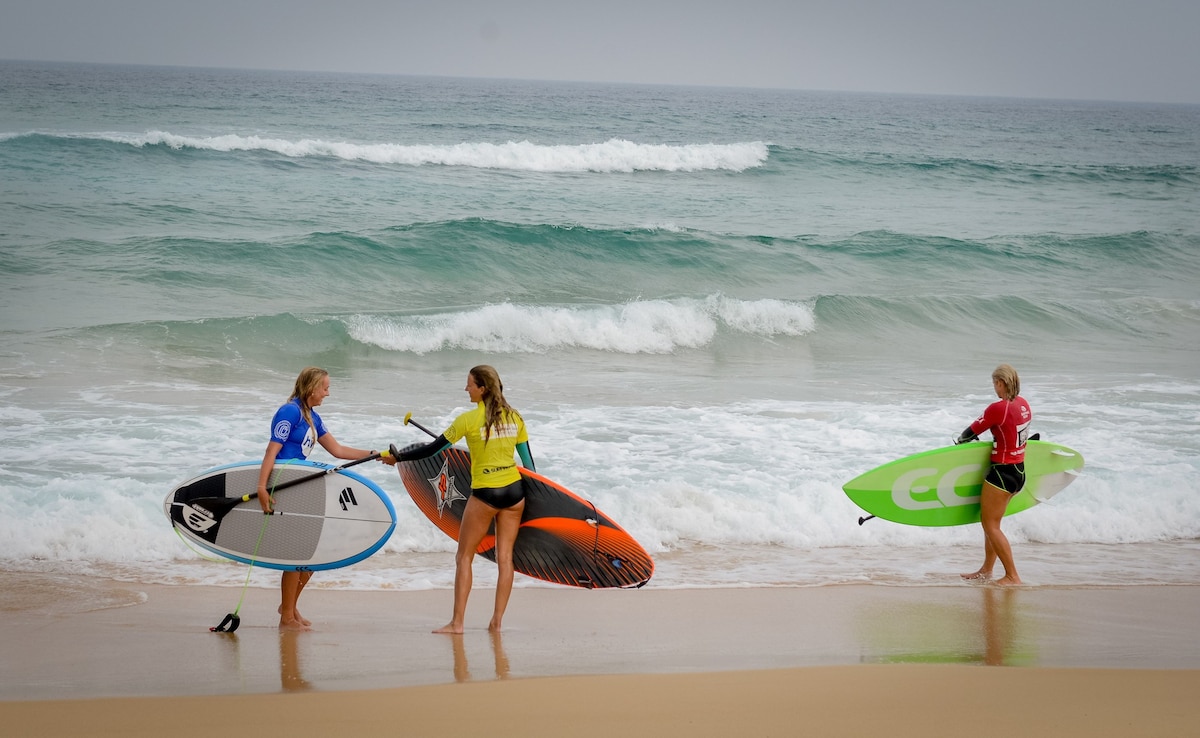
<point>990,633</point>
<point>999,624</point>
<point>462,669</point>
<point>289,663</point>
<point>231,646</point>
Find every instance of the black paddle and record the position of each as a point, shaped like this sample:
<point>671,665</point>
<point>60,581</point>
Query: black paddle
<point>219,507</point>
<point>408,420</point>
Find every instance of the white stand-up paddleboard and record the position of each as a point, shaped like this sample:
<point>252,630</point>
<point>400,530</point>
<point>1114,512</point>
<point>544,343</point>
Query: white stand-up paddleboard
<point>325,517</point>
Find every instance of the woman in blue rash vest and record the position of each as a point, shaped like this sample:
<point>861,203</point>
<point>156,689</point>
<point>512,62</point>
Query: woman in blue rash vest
<point>1008,420</point>
<point>295,429</point>
<point>494,431</point>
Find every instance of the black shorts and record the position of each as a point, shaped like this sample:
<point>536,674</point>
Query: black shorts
<point>1008,477</point>
<point>501,497</point>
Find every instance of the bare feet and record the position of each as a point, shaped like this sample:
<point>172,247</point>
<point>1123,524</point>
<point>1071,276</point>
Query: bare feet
<point>494,626</point>
<point>451,627</point>
<point>981,574</point>
<point>1009,580</point>
<point>299,617</point>
<point>293,625</point>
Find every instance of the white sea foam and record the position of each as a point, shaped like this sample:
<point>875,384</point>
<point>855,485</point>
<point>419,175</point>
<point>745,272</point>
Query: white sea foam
<point>757,481</point>
<point>613,155</point>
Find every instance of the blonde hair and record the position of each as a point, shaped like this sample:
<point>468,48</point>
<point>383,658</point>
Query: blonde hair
<point>308,381</point>
<point>494,403</point>
<point>1006,375</point>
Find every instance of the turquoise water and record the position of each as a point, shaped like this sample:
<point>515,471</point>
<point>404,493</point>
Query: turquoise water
<point>714,306</point>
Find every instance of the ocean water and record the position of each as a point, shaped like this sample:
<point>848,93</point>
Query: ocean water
<point>713,307</point>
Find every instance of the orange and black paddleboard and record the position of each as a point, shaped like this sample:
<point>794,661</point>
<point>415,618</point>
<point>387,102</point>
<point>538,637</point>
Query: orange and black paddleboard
<point>563,538</point>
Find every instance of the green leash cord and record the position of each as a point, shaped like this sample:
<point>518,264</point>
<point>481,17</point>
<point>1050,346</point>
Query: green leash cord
<point>233,620</point>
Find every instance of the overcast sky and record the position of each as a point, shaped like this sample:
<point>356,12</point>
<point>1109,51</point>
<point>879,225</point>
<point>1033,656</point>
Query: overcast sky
<point>1135,50</point>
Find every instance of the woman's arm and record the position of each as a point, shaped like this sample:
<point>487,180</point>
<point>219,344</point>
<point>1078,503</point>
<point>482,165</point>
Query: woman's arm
<point>268,464</point>
<point>418,451</point>
<point>526,456</point>
<point>338,451</point>
<point>967,436</point>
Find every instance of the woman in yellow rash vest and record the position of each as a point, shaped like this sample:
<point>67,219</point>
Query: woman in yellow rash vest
<point>494,431</point>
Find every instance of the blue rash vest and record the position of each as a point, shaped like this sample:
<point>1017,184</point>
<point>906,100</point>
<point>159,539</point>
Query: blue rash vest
<point>290,429</point>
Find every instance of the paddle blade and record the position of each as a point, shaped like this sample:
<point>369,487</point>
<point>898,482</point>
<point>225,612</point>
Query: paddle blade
<point>211,509</point>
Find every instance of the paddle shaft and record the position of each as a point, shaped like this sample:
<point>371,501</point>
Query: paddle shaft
<point>409,421</point>
<point>315,475</point>
<point>228,502</point>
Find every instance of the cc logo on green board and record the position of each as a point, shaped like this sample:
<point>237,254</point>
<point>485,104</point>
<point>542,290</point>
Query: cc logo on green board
<point>911,493</point>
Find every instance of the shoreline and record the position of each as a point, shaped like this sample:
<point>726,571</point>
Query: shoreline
<point>63,633</point>
<point>97,657</point>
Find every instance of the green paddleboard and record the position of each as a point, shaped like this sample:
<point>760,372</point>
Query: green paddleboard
<point>942,486</point>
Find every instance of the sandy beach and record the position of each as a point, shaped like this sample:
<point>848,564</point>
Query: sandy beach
<point>86,657</point>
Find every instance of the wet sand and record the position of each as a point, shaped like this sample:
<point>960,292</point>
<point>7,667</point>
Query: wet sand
<point>106,658</point>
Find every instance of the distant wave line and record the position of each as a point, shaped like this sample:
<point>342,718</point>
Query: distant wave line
<point>1164,171</point>
<point>638,327</point>
<point>613,155</point>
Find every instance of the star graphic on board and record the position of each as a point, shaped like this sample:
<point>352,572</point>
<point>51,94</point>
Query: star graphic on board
<point>443,484</point>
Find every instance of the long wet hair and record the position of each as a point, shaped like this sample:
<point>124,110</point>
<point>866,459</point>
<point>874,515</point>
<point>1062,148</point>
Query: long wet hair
<point>1012,383</point>
<point>307,382</point>
<point>494,403</point>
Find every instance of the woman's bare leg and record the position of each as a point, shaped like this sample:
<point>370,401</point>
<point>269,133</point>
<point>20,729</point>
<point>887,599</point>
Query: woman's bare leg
<point>993,504</point>
<point>508,523</point>
<point>477,518</point>
<point>989,562</point>
<point>289,587</point>
<point>304,577</point>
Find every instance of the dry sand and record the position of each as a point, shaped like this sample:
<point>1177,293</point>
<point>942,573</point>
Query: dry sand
<point>97,658</point>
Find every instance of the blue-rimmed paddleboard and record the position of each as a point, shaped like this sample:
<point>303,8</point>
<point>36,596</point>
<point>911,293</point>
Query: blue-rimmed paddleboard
<point>332,520</point>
